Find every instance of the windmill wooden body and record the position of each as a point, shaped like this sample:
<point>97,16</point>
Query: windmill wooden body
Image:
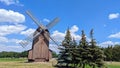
<point>40,51</point>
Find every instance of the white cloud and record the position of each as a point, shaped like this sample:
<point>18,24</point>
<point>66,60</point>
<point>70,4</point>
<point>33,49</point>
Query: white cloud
<point>54,48</point>
<point>117,35</point>
<point>11,48</point>
<point>106,43</point>
<point>14,40</point>
<point>10,2</point>
<point>11,16</point>
<point>59,36</point>
<point>6,40</point>
<point>12,45</point>
<point>10,29</point>
<point>114,15</point>
<point>28,32</point>
<point>74,29</point>
<point>3,39</point>
<point>9,44</point>
<point>46,20</point>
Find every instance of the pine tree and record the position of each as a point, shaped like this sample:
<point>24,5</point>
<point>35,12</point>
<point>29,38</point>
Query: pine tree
<point>93,50</point>
<point>83,50</point>
<point>97,55</point>
<point>64,58</point>
<point>73,53</point>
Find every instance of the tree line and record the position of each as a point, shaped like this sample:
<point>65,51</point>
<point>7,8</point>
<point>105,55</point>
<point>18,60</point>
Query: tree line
<point>5,54</point>
<point>23,54</point>
<point>80,54</point>
<point>112,53</point>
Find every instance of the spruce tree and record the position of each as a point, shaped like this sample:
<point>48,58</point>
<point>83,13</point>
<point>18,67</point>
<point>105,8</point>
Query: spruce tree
<point>83,50</point>
<point>73,53</point>
<point>93,50</point>
<point>97,55</point>
<point>64,58</point>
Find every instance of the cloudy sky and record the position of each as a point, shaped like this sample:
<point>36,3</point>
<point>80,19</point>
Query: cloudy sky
<point>101,15</point>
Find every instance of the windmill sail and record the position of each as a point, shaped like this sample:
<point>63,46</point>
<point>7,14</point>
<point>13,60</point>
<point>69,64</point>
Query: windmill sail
<point>52,23</point>
<point>41,28</point>
<point>48,26</point>
<point>35,20</point>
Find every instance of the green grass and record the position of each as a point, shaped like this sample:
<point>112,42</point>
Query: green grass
<point>12,59</point>
<point>113,64</point>
<point>22,63</point>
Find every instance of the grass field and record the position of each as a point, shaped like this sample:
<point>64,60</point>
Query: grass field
<point>22,63</point>
<point>113,64</point>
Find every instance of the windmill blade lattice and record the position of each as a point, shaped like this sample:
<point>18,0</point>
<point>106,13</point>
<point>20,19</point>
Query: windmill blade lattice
<point>52,23</point>
<point>27,40</point>
<point>39,24</point>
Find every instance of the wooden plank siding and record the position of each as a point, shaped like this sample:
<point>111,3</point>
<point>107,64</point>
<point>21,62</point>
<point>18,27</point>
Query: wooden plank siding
<point>40,48</point>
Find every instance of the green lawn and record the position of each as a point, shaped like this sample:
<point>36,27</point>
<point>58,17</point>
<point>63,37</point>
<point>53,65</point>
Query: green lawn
<point>22,63</point>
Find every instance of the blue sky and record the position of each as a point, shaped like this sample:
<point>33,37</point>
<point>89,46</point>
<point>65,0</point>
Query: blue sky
<point>101,15</point>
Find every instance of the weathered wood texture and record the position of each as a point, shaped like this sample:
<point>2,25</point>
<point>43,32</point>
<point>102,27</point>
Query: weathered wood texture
<point>40,48</point>
<point>50,54</point>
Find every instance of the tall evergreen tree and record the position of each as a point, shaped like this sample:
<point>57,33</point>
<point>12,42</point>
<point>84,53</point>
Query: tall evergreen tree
<point>65,56</point>
<point>83,50</point>
<point>74,53</point>
<point>82,55</point>
<point>93,49</point>
<point>96,54</point>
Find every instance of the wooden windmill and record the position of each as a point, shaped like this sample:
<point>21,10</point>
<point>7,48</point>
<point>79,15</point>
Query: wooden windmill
<point>40,51</point>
